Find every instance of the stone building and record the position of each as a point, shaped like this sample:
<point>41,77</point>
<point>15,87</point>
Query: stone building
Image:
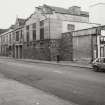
<point>5,41</point>
<point>39,36</point>
<point>1,32</point>
<point>18,33</point>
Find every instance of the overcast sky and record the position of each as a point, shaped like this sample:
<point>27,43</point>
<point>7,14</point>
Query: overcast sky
<point>10,9</point>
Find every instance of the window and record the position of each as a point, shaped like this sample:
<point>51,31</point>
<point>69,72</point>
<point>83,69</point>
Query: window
<point>34,25</point>
<point>42,23</point>
<point>34,31</point>
<point>9,37</point>
<point>70,27</point>
<point>3,39</point>
<point>34,34</point>
<point>42,34</point>
<point>103,60</point>
<point>27,33</point>
<point>102,51</point>
<point>13,36</point>
<point>27,28</point>
<point>42,30</point>
<point>17,36</point>
<point>27,36</point>
<point>102,40</point>
<point>21,36</point>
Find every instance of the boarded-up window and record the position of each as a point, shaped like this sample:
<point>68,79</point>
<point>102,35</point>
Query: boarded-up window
<point>70,27</point>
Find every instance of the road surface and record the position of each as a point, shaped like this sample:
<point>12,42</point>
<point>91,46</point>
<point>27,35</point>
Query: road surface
<point>78,85</point>
<point>15,93</point>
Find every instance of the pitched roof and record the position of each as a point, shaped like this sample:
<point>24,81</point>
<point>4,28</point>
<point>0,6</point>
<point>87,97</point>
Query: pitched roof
<point>65,11</point>
<point>3,30</point>
<point>58,9</point>
<point>21,21</point>
<point>12,27</point>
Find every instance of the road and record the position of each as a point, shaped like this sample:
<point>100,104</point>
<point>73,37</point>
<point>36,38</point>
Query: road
<point>78,85</point>
<point>15,93</point>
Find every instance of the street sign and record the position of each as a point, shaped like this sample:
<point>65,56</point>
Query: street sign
<point>102,39</point>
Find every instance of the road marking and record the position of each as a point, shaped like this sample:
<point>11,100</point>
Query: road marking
<point>58,72</point>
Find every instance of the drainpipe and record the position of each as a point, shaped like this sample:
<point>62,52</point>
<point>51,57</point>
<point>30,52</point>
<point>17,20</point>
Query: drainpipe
<point>98,32</point>
<point>49,39</point>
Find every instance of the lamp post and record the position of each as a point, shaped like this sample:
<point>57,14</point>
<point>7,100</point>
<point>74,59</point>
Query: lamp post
<point>98,33</point>
<point>49,40</point>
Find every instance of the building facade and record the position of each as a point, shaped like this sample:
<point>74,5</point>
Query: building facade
<point>87,44</point>
<point>39,36</point>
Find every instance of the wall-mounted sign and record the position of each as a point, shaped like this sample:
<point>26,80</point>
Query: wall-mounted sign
<point>103,32</point>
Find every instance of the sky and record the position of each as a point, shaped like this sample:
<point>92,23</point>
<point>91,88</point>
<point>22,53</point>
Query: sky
<point>10,9</point>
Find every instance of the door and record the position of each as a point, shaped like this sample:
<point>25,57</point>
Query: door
<point>20,51</point>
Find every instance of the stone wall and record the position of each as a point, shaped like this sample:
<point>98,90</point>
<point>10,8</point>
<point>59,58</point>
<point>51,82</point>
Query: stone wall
<point>54,49</point>
<point>82,47</point>
<point>41,50</point>
<point>36,50</point>
<point>66,47</point>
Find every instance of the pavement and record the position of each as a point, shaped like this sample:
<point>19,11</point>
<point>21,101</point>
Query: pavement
<point>62,63</point>
<point>15,93</point>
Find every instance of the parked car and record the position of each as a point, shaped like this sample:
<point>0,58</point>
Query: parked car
<point>99,64</point>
